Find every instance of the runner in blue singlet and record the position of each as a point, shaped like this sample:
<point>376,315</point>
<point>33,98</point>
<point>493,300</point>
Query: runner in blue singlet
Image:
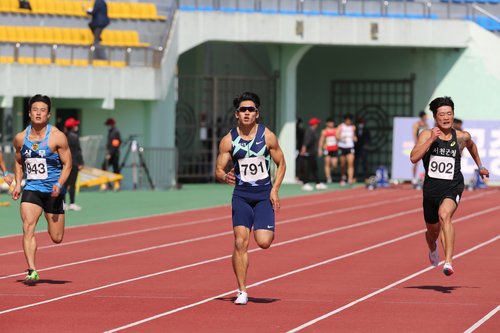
<point>250,146</point>
<point>43,155</point>
<point>440,149</point>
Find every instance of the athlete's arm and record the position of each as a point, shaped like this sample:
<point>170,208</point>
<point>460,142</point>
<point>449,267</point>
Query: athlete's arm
<point>62,148</point>
<point>472,148</point>
<point>321,142</point>
<point>338,132</point>
<point>18,165</point>
<point>355,136</point>
<point>424,142</point>
<point>6,177</point>
<point>279,159</point>
<point>222,161</point>
<point>415,130</point>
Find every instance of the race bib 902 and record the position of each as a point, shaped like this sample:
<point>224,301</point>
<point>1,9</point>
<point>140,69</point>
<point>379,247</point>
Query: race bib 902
<point>253,168</point>
<point>36,168</point>
<point>441,167</point>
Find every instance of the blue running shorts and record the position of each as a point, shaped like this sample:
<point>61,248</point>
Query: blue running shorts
<point>252,208</point>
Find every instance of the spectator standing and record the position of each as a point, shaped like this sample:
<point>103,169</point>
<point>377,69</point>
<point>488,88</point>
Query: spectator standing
<point>299,161</point>
<point>99,21</point>
<point>364,138</point>
<point>112,151</point>
<point>71,130</point>
<point>308,151</point>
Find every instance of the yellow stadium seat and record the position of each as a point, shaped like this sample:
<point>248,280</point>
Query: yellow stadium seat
<point>20,34</point>
<point>6,60</point>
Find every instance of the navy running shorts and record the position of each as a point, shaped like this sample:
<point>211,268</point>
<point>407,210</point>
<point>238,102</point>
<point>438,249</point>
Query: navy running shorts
<point>49,204</point>
<point>252,208</point>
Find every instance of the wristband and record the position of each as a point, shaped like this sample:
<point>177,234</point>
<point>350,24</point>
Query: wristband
<point>481,167</point>
<point>58,185</point>
<point>6,173</point>
<point>225,176</point>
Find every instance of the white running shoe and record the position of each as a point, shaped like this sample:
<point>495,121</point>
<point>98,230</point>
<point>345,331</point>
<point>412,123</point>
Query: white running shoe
<point>242,298</point>
<point>307,187</point>
<point>74,207</point>
<point>434,256</point>
<point>321,186</point>
<point>447,269</point>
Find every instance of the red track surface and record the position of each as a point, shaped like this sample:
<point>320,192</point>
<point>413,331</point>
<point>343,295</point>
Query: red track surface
<point>341,262</point>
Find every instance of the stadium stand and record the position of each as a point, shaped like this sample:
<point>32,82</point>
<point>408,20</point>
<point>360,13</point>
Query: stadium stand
<point>70,36</point>
<point>116,10</point>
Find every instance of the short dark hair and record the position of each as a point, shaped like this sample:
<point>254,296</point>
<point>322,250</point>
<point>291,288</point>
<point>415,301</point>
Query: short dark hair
<point>40,98</point>
<point>246,96</point>
<point>329,119</point>
<point>348,116</point>
<point>439,102</point>
<point>421,114</point>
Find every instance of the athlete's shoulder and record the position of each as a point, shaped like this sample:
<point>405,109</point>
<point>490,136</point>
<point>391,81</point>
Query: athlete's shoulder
<point>19,138</point>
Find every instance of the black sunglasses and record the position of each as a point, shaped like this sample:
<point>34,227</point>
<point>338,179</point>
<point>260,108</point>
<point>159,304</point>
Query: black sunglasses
<point>247,108</point>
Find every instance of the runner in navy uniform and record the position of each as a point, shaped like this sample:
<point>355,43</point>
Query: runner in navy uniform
<point>250,146</point>
<point>42,153</point>
<point>440,149</point>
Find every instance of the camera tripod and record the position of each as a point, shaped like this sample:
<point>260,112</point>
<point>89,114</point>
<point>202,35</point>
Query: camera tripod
<point>137,161</point>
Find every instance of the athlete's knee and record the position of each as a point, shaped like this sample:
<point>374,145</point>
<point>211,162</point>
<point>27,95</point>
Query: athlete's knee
<point>241,244</point>
<point>264,244</point>
<point>29,228</point>
<point>57,238</point>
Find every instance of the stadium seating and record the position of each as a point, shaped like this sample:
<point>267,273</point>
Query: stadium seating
<point>116,10</point>
<point>70,36</point>
<point>62,62</point>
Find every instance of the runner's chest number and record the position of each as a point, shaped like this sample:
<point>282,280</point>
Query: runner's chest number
<point>36,168</point>
<point>441,167</point>
<point>253,168</point>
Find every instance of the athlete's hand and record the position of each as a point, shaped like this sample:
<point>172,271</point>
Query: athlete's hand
<point>16,193</point>
<point>275,200</point>
<point>484,172</point>
<point>435,133</point>
<point>229,178</point>
<point>8,179</point>
<point>56,191</point>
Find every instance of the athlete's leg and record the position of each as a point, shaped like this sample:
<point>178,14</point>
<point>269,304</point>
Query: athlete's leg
<point>240,255</point>
<point>350,168</point>
<point>446,211</point>
<point>30,213</point>
<point>432,234</point>
<point>55,223</point>
<point>342,167</point>
<point>328,171</point>
<point>264,224</point>
<point>264,238</point>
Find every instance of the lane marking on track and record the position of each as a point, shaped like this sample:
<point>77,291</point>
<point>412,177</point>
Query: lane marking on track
<point>209,208</point>
<point>164,314</point>
<point>182,224</point>
<point>340,210</point>
<point>232,291</point>
<point>483,320</point>
<point>225,233</point>
<point>409,277</point>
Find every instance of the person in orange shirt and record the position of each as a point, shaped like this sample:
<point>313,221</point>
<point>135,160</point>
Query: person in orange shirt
<point>112,151</point>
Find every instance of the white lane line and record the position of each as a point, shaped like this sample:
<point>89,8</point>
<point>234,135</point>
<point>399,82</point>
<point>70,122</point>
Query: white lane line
<point>483,320</point>
<point>218,259</point>
<point>359,300</point>
<point>164,314</point>
<point>182,224</point>
<point>151,248</point>
<point>347,197</point>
